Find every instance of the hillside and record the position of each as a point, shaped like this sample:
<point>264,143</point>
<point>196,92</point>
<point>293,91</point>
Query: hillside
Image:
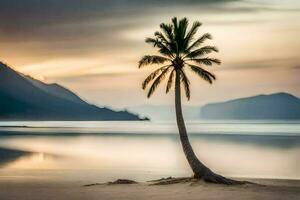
<point>24,98</point>
<point>278,106</point>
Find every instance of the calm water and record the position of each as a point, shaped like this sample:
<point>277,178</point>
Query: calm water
<point>101,151</point>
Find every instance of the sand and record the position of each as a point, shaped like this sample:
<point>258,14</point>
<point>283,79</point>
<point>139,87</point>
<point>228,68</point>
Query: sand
<point>14,188</point>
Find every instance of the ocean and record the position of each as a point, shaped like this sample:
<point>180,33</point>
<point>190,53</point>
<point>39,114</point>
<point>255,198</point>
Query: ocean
<point>103,151</point>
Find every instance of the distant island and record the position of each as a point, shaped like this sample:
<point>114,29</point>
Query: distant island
<point>25,98</point>
<point>277,106</point>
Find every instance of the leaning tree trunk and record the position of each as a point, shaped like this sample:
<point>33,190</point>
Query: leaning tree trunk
<point>199,169</point>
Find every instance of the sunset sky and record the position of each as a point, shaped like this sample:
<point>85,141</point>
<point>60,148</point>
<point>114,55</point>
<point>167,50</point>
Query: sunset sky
<point>93,46</point>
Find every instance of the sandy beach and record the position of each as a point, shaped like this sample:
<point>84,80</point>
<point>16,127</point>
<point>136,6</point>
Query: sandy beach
<point>13,188</point>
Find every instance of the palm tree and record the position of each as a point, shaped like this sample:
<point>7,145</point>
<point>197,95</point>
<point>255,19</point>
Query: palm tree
<point>179,51</point>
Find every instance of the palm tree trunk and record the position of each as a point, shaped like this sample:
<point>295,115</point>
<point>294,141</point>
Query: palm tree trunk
<point>199,169</point>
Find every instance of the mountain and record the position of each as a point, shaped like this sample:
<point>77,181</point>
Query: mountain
<point>24,98</point>
<point>278,106</point>
<point>56,90</point>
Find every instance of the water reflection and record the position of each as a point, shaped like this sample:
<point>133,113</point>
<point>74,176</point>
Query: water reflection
<point>144,150</point>
<point>149,156</point>
<point>10,155</point>
<point>267,141</point>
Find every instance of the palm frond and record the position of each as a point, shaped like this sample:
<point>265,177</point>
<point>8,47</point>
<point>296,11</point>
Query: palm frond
<point>161,37</point>
<point>191,33</point>
<point>186,84</point>
<point>175,24</point>
<point>170,81</point>
<point>168,30</point>
<point>157,81</point>
<point>183,25</point>
<point>152,59</point>
<point>150,40</point>
<point>206,75</point>
<point>163,49</point>
<point>206,61</point>
<point>201,51</point>
<point>199,41</point>
<point>153,75</point>
<point>179,35</point>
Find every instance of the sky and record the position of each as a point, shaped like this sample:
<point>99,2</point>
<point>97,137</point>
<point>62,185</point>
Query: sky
<point>93,46</point>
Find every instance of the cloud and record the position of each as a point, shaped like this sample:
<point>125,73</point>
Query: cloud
<point>32,13</point>
<point>52,29</point>
<point>56,20</point>
<point>262,64</point>
<point>55,28</point>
